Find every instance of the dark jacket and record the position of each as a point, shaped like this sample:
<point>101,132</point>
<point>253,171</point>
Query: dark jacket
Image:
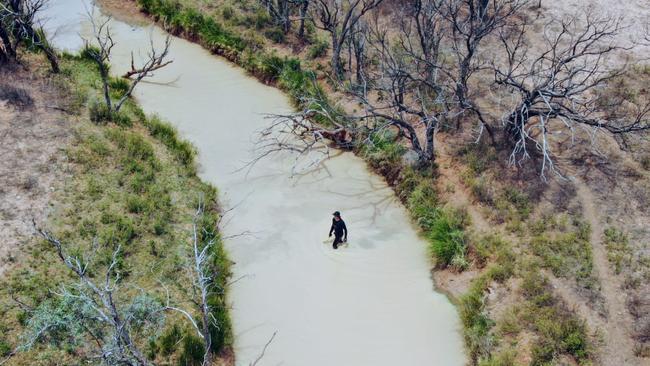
<point>339,228</point>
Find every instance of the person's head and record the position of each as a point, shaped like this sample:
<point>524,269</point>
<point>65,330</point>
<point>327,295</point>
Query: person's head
<point>337,215</point>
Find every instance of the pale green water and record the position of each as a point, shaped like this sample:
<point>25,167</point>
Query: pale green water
<point>372,303</point>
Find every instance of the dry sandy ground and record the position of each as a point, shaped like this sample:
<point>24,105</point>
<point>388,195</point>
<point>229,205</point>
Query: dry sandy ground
<point>32,139</point>
<point>634,15</point>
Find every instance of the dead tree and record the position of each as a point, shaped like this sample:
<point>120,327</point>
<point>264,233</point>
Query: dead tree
<point>202,280</point>
<point>18,26</point>
<point>94,312</point>
<point>555,88</point>
<point>99,50</point>
<point>280,12</point>
<point>303,134</point>
<point>410,88</point>
<point>338,18</point>
<point>303,14</point>
<point>470,23</point>
<point>356,45</point>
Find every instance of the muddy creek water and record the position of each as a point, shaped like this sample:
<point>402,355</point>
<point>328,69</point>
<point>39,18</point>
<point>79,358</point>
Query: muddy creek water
<point>370,303</point>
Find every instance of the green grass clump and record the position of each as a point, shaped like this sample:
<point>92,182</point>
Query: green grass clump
<point>444,227</point>
<point>99,113</point>
<point>559,331</point>
<point>567,253</point>
<point>383,148</point>
<point>275,34</point>
<point>504,358</point>
<point>192,352</point>
<point>478,327</point>
<point>167,134</point>
<point>447,237</point>
<point>619,252</point>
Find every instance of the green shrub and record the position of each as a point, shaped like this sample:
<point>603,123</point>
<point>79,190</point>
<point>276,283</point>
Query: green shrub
<point>169,341</point>
<point>262,19</point>
<point>566,254</point>
<point>119,86</point>
<point>227,12</point>
<point>476,322</point>
<point>318,49</point>
<point>137,204</point>
<point>221,329</point>
<point>519,200</point>
<point>5,348</point>
<point>271,66</point>
<point>98,146</point>
<point>384,146</point>
<point>160,226</point>
<point>504,358</point>
<point>99,113</point>
<point>619,252</point>
<point>423,204</point>
<point>447,236</point>
<point>275,34</point>
<point>193,350</point>
<point>117,230</point>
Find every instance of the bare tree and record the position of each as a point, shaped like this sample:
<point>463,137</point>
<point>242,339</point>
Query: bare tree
<point>409,89</point>
<point>280,12</point>
<point>299,134</point>
<point>303,14</point>
<point>18,25</point>
<point>471,22</point>
<point>99,50</point>
<point>555,89</point>
<point>339,18</point>
<point>202,280</point>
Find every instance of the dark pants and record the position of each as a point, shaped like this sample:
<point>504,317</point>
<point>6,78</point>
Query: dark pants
<point>337,240</point>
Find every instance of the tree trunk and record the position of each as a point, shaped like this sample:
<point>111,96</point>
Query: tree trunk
<point>6,41</point>
<point>303,14</point>
<point>337,67</point>
<point>51,56</point>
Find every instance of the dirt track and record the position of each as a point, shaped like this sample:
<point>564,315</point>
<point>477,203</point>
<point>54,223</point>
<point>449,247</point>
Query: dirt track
<point>33,137</point>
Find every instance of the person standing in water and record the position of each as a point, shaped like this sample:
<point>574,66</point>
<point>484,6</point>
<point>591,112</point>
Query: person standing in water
<point>339,229</point>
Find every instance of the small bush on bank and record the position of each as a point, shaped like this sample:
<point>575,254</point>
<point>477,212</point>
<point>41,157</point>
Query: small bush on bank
<point>5,348</point>
<point>447,236</point>
<point>99,113</point>
<point>119,86</point>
